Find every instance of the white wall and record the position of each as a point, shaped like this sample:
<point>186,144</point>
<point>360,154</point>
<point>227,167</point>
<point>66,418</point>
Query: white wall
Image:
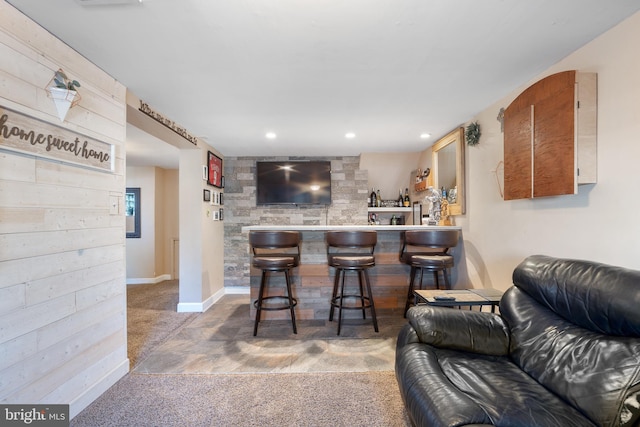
<point>62,263</point>
<point>141,265</point>
<point>389,172</point>
<point>170,227</point>
<point>201,240</point>
<point>601,222</point>
<point>149,258</point>
<point>212,255</point>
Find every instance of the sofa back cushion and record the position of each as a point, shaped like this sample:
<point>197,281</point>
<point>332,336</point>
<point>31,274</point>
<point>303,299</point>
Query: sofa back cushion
<point>573,331</point>
<point>595,296</point>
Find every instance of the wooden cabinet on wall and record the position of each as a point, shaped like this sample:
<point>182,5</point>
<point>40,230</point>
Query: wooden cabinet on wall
<point>550,137</point>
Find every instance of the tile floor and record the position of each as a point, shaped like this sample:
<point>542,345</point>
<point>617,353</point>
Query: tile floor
<point>221,341</point>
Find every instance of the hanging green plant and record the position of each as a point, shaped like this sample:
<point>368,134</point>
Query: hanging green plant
<point>61,81</point>
<point>472,134</point>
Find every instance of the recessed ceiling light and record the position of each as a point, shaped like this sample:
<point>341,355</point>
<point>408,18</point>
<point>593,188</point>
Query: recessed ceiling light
<point>425,135</point>
<point>270,135</point>
<point>350,135</point>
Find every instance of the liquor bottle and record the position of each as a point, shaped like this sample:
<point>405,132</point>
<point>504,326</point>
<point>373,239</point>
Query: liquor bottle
<point>400,198</point>
<point>378,199</point>
<point>407,200</point>
<point>372,198</point>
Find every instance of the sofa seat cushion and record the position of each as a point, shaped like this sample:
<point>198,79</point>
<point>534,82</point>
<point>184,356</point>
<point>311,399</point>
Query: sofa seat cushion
<point>443,387</point>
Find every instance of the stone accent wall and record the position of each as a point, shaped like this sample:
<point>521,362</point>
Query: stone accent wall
<point>348,206</point>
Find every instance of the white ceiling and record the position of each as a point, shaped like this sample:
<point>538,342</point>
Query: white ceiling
<point>312,70</point>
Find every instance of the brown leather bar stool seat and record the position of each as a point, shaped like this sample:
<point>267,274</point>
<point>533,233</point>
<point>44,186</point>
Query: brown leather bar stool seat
<point>428,250</point>
<point>275,251</point>
<point>352,251</point>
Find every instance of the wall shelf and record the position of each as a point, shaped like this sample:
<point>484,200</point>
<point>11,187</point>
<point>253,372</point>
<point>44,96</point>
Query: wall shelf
<point>390,209</point>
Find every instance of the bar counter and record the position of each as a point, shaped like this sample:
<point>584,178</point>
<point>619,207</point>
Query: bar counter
<point>313,279</point>
<point>304,228</point>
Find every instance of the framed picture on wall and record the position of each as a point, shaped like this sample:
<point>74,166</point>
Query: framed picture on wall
<point>206,195</point>
<point>214,165</point>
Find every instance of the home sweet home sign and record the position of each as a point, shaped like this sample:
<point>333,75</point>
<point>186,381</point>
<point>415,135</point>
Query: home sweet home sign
<point>29,135</point>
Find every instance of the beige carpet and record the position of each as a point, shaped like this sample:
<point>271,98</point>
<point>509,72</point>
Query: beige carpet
<point>152,318</point>
<point>326,399</point>
<point>241,399</point>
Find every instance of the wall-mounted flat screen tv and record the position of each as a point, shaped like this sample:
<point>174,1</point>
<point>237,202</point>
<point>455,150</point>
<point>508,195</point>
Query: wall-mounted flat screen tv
<point>293,183</point>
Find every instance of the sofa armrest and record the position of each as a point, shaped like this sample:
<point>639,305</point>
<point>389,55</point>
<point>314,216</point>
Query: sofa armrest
<point>473,331</point>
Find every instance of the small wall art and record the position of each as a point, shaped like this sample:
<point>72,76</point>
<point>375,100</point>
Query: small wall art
<point>214,170</point>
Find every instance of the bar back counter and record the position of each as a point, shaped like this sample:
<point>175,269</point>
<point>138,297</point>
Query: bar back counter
<point>313,279</point>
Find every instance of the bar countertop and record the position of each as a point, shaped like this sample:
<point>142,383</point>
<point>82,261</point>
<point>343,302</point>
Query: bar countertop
<point>249,228</point>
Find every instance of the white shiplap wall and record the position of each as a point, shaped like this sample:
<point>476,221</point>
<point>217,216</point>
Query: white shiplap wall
<point>62,234</point>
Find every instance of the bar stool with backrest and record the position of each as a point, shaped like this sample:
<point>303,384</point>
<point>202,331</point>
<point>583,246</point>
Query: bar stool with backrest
<point>351,251</point>
<point>275,251</point>
<point>428,250</point>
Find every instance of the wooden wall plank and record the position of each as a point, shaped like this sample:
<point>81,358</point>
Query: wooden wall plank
<point>29,319</point>
<point>62,256</point>
<point>24,269</point>
<point>17,167</point>
<point>84,318</point>
<point>56,339</point>
<point>26,245</point>
<point>12,298</point>
<point>46,289</point>
<point>24,194</point>
<point>17,349</point>
<point>90,376</point>
<point>95,295</point>
<point>51,172</point>
<point>55,365</point>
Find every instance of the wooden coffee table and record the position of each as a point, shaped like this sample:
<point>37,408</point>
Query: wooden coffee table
<point>460,297</point>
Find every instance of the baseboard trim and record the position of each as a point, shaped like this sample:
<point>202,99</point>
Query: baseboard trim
<point>201,307</point>
<point>237,290</point>
<point>96,390</point>
<point>143,280</point>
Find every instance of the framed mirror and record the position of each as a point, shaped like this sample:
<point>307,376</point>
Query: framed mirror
<point>132,212</point>
<point>448,169</point>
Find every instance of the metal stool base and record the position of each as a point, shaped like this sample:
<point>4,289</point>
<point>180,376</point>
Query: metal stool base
<point>366,301</point>
<point>289,305</point>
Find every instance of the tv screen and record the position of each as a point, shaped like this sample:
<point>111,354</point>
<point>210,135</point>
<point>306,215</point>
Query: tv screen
<point>293,183</point>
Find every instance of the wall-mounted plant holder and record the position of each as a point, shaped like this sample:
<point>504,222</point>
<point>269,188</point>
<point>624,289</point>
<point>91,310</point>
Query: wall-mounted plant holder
<point>63,93</point>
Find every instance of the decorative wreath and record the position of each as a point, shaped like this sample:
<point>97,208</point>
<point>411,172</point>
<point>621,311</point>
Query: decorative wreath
<point>472,134</point>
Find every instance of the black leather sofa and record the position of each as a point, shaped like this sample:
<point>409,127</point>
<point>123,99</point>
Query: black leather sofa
<point>564,351</point>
